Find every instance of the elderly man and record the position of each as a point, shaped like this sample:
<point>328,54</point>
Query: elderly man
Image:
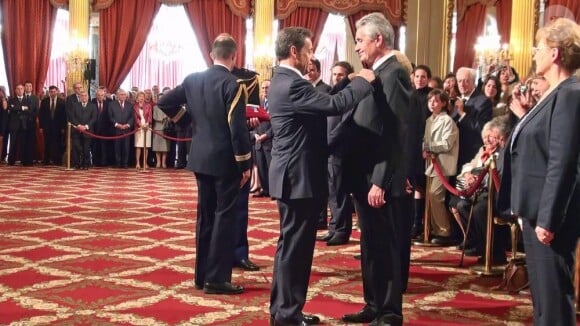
<point>473,110</point>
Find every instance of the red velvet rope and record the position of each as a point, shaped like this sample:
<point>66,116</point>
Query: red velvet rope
<point>460,193</point>
<point>107,137</point>
<point>495,178</point>
<point>169,137</point>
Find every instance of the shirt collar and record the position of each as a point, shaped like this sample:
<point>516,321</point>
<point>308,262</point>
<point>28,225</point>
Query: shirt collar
<point>291,68</point>
<point>379,62</point>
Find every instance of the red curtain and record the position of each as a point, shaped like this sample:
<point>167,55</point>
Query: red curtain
<point>311,18</point>
<point>562,8</point>
<point>122,34</point>
<point>352,19</point>
<point>27,40</point>
<point>504,19</point>
<point>468,29</point>
<point>209,18</point>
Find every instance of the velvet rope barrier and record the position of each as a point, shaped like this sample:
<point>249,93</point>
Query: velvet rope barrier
<point>460,193</point>
<point>169,137</point>
<point>106,137</point>
<point>495,178</point>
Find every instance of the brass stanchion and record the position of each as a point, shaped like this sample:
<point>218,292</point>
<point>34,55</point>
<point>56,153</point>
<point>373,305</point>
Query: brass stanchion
<point>487,269</point>
<point>68,145</point>
<point>427,219</point>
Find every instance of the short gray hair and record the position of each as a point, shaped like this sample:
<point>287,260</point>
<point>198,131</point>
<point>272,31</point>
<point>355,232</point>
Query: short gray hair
<point>377,24</point>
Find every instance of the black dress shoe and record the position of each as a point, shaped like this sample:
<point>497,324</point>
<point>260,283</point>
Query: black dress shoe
<point>222,288</point>
<point>310,320</point>
<point>260,194</point>
<point>366,315</point>
<point>247,265</point>
<point>198,286</point>
<point>357,257</point>
<point>444,241</point>
<point>387,321</point>
<point>325,237</point>
<point>337,240</point>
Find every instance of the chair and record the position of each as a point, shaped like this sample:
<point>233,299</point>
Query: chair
<point>514,232</point>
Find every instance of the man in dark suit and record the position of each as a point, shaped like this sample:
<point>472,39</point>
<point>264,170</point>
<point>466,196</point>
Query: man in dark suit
<point>298,169</point>
<point>101,148</point>
<point>378,176</point>
<point>75,97</point>
<point>83,118</point>
<point>473,110</point>
<point>122,117</point>
<point>22,113</point>
<point>339,200</point>
<point>313,76</point>
<point>217,106</point>
<point>263,135</point>
<point>52,123</point>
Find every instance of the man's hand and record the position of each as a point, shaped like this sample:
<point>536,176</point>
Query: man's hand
<point>460,106</point>
<point>367,74</point>
<point>469,179</point>
<point>376,196</point>
<point>245,177</point>
<point>253,122</point>
<point>81,127</point>
<point>544,236</point>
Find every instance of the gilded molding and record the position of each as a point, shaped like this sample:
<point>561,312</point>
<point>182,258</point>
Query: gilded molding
<point>393,9</point>
<point>462,6</point>
<point>238,7</point>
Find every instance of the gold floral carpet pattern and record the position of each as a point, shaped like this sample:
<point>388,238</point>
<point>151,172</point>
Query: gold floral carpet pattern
<point>116,247</point>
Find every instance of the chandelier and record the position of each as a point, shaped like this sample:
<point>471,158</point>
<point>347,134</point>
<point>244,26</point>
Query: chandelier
<point>491,55</point>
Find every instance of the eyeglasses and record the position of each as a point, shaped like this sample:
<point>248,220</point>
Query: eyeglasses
<point>535,49</point>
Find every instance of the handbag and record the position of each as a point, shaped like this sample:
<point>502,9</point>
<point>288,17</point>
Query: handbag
<point>515,277</point>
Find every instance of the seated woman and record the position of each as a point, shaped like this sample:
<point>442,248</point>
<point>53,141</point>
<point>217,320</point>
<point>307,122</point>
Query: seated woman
<point>494,135</point>
<point>441,140</point>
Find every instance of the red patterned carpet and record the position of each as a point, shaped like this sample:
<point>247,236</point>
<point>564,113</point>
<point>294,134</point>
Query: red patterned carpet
<point>116,247</point>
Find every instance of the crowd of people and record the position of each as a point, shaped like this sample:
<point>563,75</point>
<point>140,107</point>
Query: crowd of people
<point>104,129</point>
<point>378,142</point>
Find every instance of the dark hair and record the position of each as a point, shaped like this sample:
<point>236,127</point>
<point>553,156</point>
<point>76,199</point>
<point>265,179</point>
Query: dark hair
<point>224,46</point>
<point>51,87</point>
<point>347,66</point>
<point>316,63</point>
<point>425,68</point>
<point>497,96</point>
<point>289,37</point>
<point>441,95</point>
<point>438,80</point>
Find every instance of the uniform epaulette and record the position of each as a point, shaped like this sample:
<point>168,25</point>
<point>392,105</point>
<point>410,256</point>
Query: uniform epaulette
<point>250,83</point>
<point>242,90</point>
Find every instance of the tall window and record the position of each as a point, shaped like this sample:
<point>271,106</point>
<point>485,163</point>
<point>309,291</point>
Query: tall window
<point>331,47</point>
<point>60,44</point>
<point>3,77</point>
<point>169,54</point>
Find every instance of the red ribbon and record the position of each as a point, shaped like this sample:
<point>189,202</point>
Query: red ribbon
<point>460,193</point>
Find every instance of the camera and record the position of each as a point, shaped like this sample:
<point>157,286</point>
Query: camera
<point>523,89</point>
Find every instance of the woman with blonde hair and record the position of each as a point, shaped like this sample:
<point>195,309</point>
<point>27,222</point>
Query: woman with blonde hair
<point>541,179</point>
<point>143,119</point>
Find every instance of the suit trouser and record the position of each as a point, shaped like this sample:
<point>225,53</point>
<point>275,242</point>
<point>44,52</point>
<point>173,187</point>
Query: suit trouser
<point>122,150</point>
<point>263,159</point>
<point>439,214</point>
<point>241,246</point>
<point>380,257</point>
<point>22,141</point>
<point>53,145</point>
<point>550,273</point>
<point>293,261</point>
<point>215,227</point>
<point>403,217</point>
<point>81,149</point>
<point>339,200</point>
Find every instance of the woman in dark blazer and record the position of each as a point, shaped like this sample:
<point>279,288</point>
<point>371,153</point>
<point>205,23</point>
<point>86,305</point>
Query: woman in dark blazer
<point>541,181</point>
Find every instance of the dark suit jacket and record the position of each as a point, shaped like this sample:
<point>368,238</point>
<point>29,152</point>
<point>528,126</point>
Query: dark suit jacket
<point>122,116</point>
<point>478,111</point>
<point>46,121</point>
<point>298,113</point>
<point>84,116</point>
<point>541,179</point>
<point>19,119</point>
<point>322,87</point>
<point>69,104</point>
<point>377,153</point>
<point>215,101</point>
<point>103,125</point>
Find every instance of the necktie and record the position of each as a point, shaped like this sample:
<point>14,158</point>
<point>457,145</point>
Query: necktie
<point>122,106</point>
<point>100,107</point>
<point>266,104</point>
<point>52,108</point>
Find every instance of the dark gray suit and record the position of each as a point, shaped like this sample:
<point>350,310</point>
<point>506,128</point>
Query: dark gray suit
<point>298,179</point>
<point>541,184</point>
<point>378,156</point>
<point>119,116</point>
<point>478,109</point>
<point>79,115</point>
